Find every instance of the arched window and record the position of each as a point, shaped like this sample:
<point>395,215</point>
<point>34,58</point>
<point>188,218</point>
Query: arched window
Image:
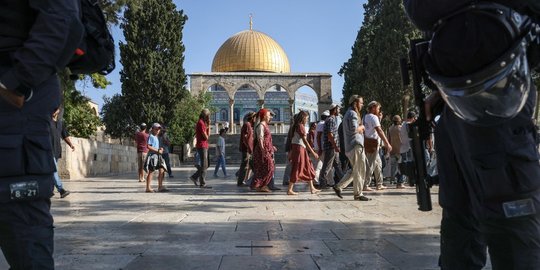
<point>277,117</point>
<point>236,115</point>
<point>223,115</point>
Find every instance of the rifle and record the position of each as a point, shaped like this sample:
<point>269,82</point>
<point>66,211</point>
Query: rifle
<point>420,130</point>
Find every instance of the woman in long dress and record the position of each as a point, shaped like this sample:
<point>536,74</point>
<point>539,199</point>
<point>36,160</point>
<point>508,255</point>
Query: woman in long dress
<point>302,168</point>
<point>263,152</point>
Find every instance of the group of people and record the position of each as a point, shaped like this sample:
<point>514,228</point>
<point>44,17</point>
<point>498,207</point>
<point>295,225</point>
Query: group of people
<point>153,148</point>
<point>314,155</point>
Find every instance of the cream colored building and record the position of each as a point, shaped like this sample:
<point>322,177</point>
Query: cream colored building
<point>251,70</point>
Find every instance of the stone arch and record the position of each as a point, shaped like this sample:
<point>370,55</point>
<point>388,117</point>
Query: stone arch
<point>261,82</point>
<point>306,99</point>
<point>276,99</point>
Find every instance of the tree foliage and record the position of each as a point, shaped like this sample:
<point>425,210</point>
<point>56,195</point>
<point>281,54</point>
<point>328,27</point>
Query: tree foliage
<point>113,114</point>
<point>153,77</point>
<point>182,129</point>
<point>373,69</point>
<point>80,118</point>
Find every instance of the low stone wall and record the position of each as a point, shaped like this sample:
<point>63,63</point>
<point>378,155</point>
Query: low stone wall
<point>94,158</point>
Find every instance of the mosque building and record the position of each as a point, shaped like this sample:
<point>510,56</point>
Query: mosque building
<point>250,71</point>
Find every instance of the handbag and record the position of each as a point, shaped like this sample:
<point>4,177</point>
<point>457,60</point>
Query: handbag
<point>371,145</point>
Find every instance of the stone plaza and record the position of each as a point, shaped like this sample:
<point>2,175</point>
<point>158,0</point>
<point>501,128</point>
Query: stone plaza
<point>110,223</point>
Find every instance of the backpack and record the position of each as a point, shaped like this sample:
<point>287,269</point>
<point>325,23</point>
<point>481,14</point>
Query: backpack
<point>95,53</point>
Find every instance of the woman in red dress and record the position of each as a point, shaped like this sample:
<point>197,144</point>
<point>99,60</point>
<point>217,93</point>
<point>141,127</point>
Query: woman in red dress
<point>263,152</point>
<point>302,168</point>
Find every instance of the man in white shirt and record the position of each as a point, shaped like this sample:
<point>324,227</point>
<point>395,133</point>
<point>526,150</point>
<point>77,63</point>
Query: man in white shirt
<point>372,134</point>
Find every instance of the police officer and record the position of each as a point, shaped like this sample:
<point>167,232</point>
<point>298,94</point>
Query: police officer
<point>485,139</point>
<point>37,38</point>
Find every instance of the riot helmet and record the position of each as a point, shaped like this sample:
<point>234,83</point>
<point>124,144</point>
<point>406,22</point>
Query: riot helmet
<point>478,60</point>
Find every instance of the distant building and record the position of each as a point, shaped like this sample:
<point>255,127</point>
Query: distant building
<point>249,71</point>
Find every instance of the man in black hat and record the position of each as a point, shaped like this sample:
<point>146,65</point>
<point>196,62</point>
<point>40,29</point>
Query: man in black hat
<point>485,139</point>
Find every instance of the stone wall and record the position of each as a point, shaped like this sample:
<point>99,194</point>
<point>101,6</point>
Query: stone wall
<point>93,158</point>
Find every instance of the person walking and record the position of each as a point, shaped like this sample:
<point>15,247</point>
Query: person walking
<point>220,154</point>
<point>354,150</point>
<point>246,148</point>
<point>373,132</point>
<point>141,140</point>
<point>59,131</point>
<point>154,161</point>
<point>330,145</point>
<point>263,161</point>
<point>165,143</point>
<point>406,165</point>
<point>202,134</point>
<point>298,156</point>
<point>394,137</point>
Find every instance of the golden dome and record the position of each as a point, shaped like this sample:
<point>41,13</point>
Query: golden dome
<point>250,50</point>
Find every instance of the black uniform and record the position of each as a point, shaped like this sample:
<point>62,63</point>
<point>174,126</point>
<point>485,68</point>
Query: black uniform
<point>481,169</point>
<point>36,39</point>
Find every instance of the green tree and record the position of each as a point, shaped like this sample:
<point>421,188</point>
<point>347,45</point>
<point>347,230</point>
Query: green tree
<point>113,114</point>
<point>373,69</point>
<point>80,118</point>
<point>153,77</point>
<point>182,129</point>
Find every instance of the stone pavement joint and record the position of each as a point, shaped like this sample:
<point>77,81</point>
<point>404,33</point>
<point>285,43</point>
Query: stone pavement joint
<point>111,223</point>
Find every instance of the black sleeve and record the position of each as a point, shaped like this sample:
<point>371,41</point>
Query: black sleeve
<point>52,40</point>
<point>425,13</point>
<point>63,132</point>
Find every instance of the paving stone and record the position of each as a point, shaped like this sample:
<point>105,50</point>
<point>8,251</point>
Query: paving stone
<point>168,262</point>
<point>239,235</point>
<point>367,261</point>
<point>308,234</point>
<point>200,248</point>
<point>290,248</point>
<point>110,223</point>
<point>304,262</point>
<point>91,262</point>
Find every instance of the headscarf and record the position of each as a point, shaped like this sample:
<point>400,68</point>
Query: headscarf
<point>262,113</point>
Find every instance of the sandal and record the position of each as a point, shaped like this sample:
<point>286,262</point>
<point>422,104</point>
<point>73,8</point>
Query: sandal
<point>150,191</point>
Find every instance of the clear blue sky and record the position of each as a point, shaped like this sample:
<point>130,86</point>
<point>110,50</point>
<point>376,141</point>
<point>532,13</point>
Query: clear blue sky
<point>317,35</point>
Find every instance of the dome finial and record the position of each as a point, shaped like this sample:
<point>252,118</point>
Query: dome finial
<point>250,21</point>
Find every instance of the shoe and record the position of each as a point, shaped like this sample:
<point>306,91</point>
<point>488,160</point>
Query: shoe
<point>275,188</point>
<point>64,193</point>
<point>381,187</point>
<point>195,181</point>
<point>163,190</point>
<point>264,189</point>
<point>361,198</point>
<point>205,186</point>
<point>150,191</point>
<point>215,175</point>
<point>324,187</point>
<point>171,176</point>
<point>400,186</point>
<point>338,192</point>
<point>367,189</point>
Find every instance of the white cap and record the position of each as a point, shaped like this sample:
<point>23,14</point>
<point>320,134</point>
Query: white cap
<point>334,105</point>
<point>326,113</point>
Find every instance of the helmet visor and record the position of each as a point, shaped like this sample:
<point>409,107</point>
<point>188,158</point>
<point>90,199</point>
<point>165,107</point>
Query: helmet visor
<point>492,99</point>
